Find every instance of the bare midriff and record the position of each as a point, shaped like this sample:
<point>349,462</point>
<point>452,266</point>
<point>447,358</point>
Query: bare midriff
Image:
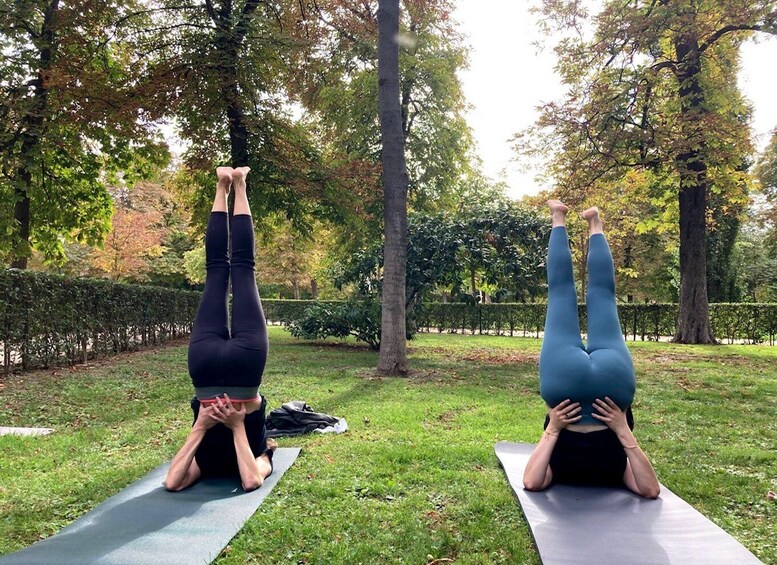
<point>251,404</point>
<point>585,428</point>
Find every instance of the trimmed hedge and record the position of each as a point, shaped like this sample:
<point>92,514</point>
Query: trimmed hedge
<point>731,322</point>
<point>278,311</point>
<point>749,322</point>
<point>49,320</point>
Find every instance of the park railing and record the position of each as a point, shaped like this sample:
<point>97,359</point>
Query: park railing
<point>48,320</point>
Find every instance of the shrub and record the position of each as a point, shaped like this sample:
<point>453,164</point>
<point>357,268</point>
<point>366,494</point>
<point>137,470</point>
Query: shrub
<point>360,319</point>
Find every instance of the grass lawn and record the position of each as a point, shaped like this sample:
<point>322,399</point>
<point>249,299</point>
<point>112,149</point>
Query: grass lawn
<point>415,479</point>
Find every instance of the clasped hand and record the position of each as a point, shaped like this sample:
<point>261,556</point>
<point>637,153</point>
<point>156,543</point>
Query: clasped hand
<point>221,411</point>
<point>226,413</point>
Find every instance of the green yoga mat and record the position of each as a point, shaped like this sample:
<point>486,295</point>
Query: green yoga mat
<point>612,526</point>
<point>145,524</point>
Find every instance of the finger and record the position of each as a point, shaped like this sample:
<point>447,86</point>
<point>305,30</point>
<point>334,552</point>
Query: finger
<point>227,401</point>
<point>601,406</point>
<point>576,419</point>
<point>563,404</point>
<point>611,403</point>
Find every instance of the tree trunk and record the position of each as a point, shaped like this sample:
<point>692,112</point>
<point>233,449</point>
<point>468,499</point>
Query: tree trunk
<point>472,286</point>
<point>583,266</point>
<point>33,128</point>
<point>21,215</point>
<point>393,355</point>
<point>693,322</point>
<point>238,130</point>
<point>231,30</point>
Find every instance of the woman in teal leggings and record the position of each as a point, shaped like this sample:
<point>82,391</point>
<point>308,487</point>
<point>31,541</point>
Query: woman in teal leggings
<point>588,388</point>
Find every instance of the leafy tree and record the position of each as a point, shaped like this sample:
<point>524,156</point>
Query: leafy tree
<point>226,67</point>
<point>290,259</point>
<point>132,240</point>
<point>340,87</point>
<point>71,113</point>
<point>655,89</point>
<point>508,253</point>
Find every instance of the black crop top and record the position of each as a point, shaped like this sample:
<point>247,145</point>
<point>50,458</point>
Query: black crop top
<point>592,458</point>
<point>216,455</point>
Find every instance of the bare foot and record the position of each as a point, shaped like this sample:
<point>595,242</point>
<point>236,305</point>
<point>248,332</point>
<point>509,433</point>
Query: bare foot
<point>594,221</point>
<point>239,176</point>
<point>224,175</point>
<point>591,213</point>
<point>558,212</point>
<point>265,466</point>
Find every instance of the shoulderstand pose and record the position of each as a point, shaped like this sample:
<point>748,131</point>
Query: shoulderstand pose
<point>228,434</point>
<point>588,389</point>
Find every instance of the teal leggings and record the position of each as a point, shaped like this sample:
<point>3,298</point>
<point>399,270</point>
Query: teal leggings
<point>569,369</point>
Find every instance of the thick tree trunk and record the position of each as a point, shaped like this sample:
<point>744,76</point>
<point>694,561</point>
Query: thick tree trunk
<point>238,130</point>
<point>693,322</point>
<point>393,355</point>
<point>232,27</point>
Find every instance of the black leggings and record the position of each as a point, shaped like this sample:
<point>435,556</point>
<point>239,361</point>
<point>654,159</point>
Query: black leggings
<point>219,362</point>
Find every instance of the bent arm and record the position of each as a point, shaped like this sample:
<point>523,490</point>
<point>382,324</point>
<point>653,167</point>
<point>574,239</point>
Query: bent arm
<point>639,476</point>
<point>184,470</point>
<point>537,475</point>
<point>250,474</point>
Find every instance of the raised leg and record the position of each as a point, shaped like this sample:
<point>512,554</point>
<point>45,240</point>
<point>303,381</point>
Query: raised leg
<point>248,320</point>
<point>604,328</point>
<point>212,314</point>
<point>563,361</point>
<point>562,326</point>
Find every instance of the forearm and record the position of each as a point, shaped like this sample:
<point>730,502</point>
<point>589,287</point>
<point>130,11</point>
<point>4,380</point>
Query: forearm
<point>179,466</point>
<point>250,475</point>
<point>537,475</point>
<point>645,479</point>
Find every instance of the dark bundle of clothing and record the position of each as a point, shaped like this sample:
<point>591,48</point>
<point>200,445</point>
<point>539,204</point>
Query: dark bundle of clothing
<point>296,417</point>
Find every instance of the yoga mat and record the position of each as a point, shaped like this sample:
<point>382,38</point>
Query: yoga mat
<point>145,524</point>
<point>612,526</point>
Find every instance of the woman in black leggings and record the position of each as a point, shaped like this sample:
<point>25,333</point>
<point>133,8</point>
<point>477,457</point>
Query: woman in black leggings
<point>228,434</point>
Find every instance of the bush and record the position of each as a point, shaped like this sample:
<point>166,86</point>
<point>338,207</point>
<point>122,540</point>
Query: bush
<point>360,319</point>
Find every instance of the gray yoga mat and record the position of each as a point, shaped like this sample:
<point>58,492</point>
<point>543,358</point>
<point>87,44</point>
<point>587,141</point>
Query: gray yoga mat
<point>145,524</point>
<point>610,526</point>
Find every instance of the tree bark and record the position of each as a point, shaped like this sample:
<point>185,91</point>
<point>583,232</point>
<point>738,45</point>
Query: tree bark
<point>393,354</point>
<point>232,28</point>
<point>693,322</point>
<point>33,128</point>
